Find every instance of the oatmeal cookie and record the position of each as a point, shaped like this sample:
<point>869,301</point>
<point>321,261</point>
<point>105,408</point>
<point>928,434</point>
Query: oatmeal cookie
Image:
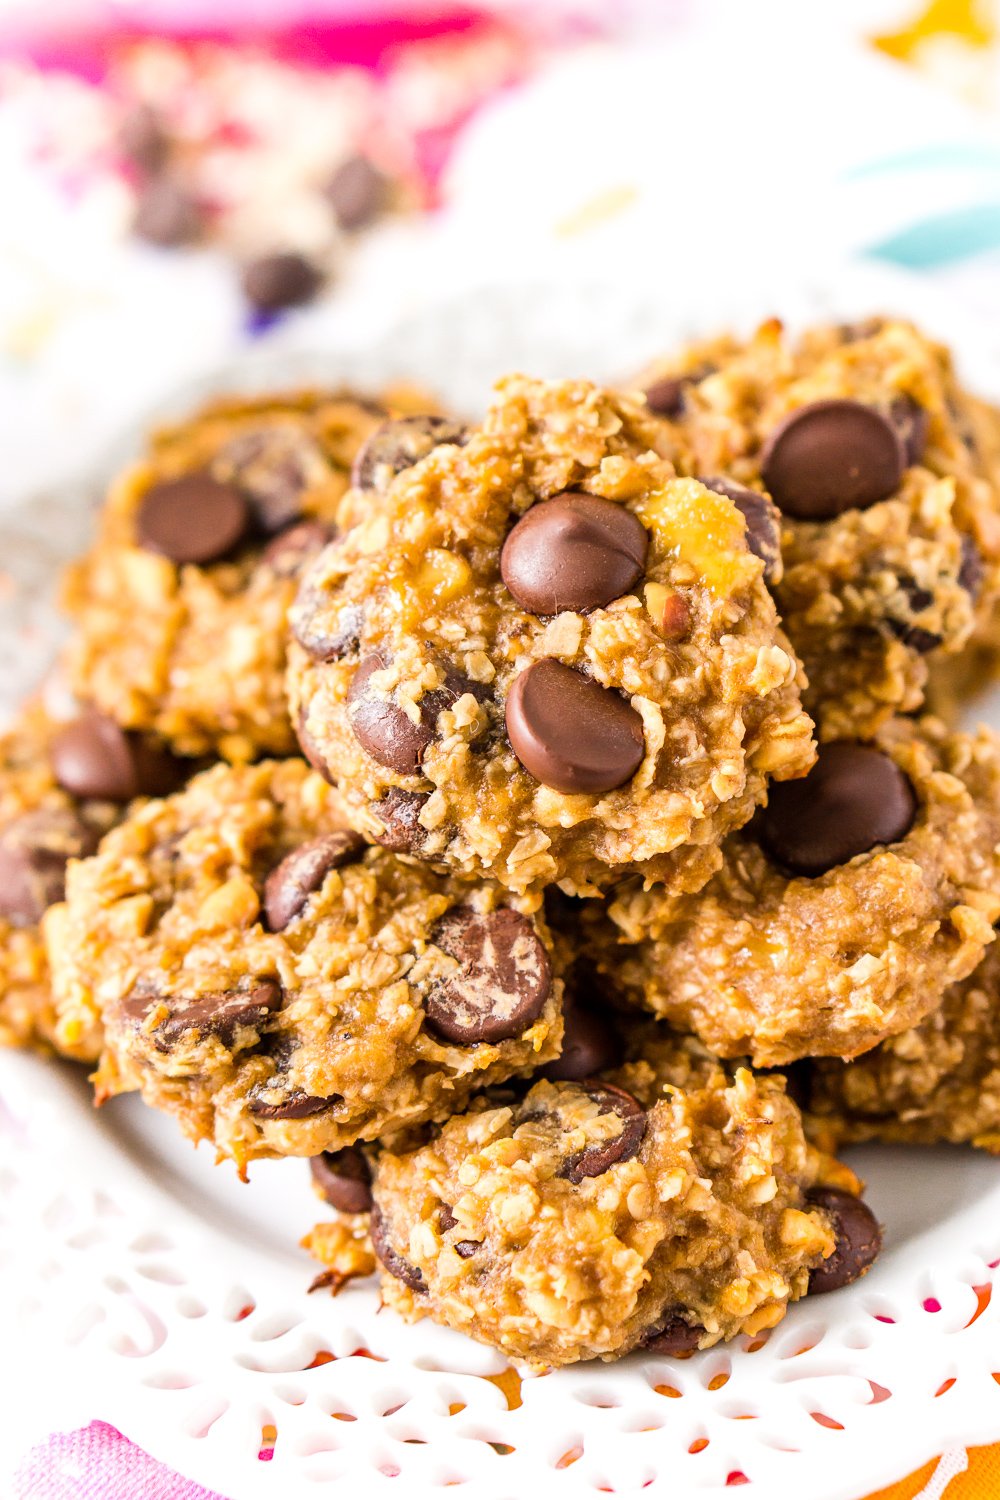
<point>839,917</point>
<point>665,1206</point>
<point>180,607</point>
<point>280,987</point>
<point>62,785</point>
<point>544,657</point>
<point>886,476</point>
<point>938,1082</point>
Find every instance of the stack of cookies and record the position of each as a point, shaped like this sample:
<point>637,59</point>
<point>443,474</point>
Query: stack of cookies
<point>555,827</point>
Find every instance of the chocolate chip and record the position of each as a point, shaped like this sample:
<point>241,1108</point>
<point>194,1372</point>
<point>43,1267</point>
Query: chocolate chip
<point>673,1335</point>
<point>34,849</point>
<point>503,981</point>
<point>290,884</point>
<point>859,1239</point>
<point>143,140</point>
<point>569,732</point>
<point>274,467</point>
<point>972,569</point>
<point>575,551</point>
<point>904,629</point>
<point>665,397</point>
<point>220,1013</point>
<point>399,811</point>
<point>854,798</point>
<point>194,519</point>
<point>286,279</point>
<point>344,1178</point>
<point>332,639</point>
<point>93,757</point>
<point>358,192</point>
<point>763,521</point>
<point>591,1044</point>
<point>830,457</point>
<point>310,749</point>
<point>293,1104</point>
<point>391,1259</point>
<point>289,552</point>
<point>593,1160</point>
<point>911,421</point>
<point>167,215</point>
<point>398,445</point>
<point>383,728</point>
<point>465,1248</point>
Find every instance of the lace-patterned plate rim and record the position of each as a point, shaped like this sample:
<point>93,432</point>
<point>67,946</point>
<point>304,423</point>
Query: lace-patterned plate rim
<point>158,1293</point>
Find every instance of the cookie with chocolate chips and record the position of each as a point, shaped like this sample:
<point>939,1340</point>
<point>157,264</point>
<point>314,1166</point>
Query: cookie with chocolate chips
<point>542,656</point>
<point>282,987</point>
<point>181,606</point>
<point>840,916</point>
<point>663,1206</point>
<point>861,441</point>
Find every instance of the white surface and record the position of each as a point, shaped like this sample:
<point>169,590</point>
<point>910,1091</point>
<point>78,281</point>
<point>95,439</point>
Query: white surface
<point>133,1256</point>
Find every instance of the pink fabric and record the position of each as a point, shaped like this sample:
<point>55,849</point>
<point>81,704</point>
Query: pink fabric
<point>97,1463</point>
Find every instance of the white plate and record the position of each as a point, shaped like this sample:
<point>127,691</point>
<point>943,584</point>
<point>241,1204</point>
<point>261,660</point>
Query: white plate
<point>155,1291</point>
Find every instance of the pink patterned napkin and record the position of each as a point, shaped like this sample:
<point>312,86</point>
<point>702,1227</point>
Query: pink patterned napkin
<point>97,1463</point>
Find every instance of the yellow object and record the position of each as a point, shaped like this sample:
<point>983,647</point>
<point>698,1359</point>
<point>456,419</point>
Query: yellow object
<point>971,21</point>
<point>980,1480</point>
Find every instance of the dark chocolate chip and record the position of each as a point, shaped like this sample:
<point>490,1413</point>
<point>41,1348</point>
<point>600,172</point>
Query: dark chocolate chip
<point>34,849</point>
<point>357,192</point>
<point>143,140</point>
<point>672,1335</point>
<point>221,1013</point>
<point>904,628</point>
<point>392,1261</point>
<point>593,1160</point>
<point>859,1239</point>
<point>399,444</point>
<point>344,1178</point>
<point>575,551</point>
<point>762,517</point>
<point>383,728</point>
<point>591,1044</point>
<point>93,757</point>
<point>273,466</point>
<point>911,422</point>
<point>503,980</point>
<point>332,639</point>
<point>294,1104</point>
<point>665,397</point>
<point>830,457</point>
<point>399,812</point>
<point>194,519</point>
<point>854,798</point>
<point>569,732</point>
<point>286,279</point>
<point>289,552</point>
<point>465,1248</point>
<point>290,884</point>
<point>972,569</point>
<point>310,749</point>
<point>166,214</point>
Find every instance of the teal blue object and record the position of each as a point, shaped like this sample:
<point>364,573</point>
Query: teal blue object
<point>943,239</point>
<point>930,158</point>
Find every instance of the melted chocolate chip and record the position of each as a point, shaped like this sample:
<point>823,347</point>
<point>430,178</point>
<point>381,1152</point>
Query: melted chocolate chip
<point>672,1335</point>
<point>763,521</point>
<point>286,279</point>
<point>391,1260</point>
<point>332,639</point>
<point>503,981</point>
<point>830,457</point>
<point>854,798</point>
<point>34,850</point>
<point>220,1013</point>
<point>357,192</point>
<point>273,466</point>
<point>344,1178</point>
<point>905,629</point>
<point>859,1240</point>
<point>290,884</point>
<point>972,569</point>
<point>399,444</point>
<point>383,727</point>
<point>593,1160</point>
<point>464,1248</point>
<point>665,397</point>
<point>193,519</point>
<point>93,757</point>
<point>576,552</point>
<point>295,1104</point>
<point>289,552</point>
<point>399,811</point>
<point>569,732</point>
<point>591,1044</point>
<point>310,749</point>
<point>911,422</point>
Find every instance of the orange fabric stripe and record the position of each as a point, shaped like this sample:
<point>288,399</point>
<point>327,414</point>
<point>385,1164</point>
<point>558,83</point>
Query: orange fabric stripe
<point>981,1481</point>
